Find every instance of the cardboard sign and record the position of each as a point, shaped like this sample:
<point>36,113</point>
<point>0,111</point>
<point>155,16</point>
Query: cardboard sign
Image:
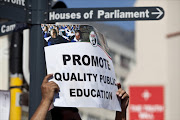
<point>84,72</point>
<point>146,103</point>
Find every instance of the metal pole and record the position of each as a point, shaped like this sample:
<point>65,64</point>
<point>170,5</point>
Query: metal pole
<point>16,77</point>
<point>37,67</point>
<point>39,13</point>
<point>36,58</point>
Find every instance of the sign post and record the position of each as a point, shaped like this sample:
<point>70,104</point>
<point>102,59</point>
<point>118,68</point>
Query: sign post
<point>37,67</point>
<point>37,59</point>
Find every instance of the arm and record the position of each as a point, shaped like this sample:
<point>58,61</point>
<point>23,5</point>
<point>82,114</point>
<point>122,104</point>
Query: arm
<point>47,90</point>
<point>124,103</point>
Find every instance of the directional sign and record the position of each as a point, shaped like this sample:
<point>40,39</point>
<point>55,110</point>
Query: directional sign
<point>8,27</point>
<point>20,3</point>
<point>105,14</point>
<point>13,10</point>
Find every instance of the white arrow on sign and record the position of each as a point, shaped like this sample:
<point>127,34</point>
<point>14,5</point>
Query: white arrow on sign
<point>159,12</point>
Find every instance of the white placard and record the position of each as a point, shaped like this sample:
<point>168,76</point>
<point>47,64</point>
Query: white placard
<point>4,105</point>
<point>85,75</point>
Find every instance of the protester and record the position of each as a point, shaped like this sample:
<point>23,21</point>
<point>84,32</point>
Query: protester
<point>74,27</point>
<point>69,31</point>
<point>52,33</point>
<point>42,26</point>
<point>77,37</point>
<point>56,39</point>
<point>63,27</point>
<point>48,89</point>
<point>45,32</point>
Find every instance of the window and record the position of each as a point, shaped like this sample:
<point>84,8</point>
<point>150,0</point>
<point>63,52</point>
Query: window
<point>125,61</point>
<point>112,54</point>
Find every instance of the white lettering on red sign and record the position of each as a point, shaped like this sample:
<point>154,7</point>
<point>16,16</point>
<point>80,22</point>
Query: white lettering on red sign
<point>146,103</point>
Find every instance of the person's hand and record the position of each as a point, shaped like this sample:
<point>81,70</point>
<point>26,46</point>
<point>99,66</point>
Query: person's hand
<point>123,96</point>
<point>48,89</point>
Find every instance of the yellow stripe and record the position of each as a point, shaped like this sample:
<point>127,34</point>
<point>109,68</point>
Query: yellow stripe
<point>16,81</point>
<point>15,109</point>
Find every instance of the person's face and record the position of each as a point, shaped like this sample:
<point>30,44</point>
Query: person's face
<point>57,29</point>
<point>74,26</point>
<point>69,27</point>
<point>77,36</point>
<point>45,28</point>
<point>53,34</point>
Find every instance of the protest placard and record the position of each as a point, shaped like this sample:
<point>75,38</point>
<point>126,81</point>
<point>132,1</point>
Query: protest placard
<point>83,70</point>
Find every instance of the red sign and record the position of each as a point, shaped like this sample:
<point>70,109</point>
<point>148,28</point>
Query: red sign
<point>146,103</point>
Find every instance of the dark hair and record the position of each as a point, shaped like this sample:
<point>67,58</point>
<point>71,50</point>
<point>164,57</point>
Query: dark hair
<point>78,31</point>
<point>73,109</point>
<point>53,30</point>
<point>57,112</point>
<point>46,27</point>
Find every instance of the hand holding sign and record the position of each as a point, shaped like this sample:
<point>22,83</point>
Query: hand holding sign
<point>124,102</point>
<point>124,97</point>
<point>48,89</point>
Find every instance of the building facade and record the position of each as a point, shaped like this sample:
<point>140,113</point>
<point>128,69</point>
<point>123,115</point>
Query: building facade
<point>157,61</point>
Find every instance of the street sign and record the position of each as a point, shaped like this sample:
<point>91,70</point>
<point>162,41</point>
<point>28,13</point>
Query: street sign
<point>17,3</point>
<point>16,10</point>
<point>105,14</point>
<point>11,26</point>
<point>13,10</point>
<point>146,103</point>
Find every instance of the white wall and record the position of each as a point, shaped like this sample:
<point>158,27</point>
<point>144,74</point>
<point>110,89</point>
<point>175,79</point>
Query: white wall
<point>158,57</point>
<point>4,63</point>
<point>173,46</point>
